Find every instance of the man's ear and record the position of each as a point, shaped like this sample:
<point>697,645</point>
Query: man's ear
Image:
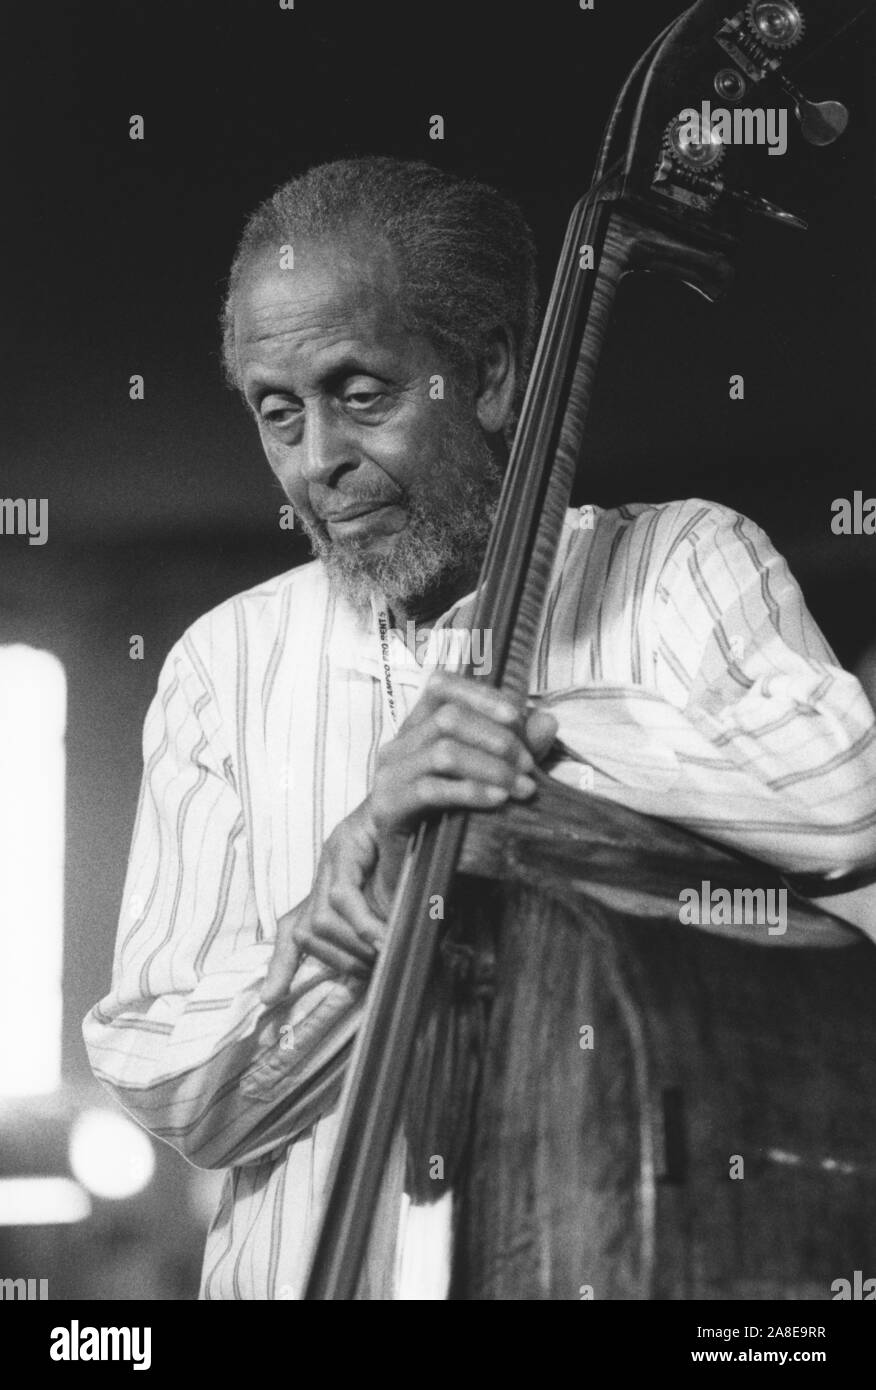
<point>497,379</point>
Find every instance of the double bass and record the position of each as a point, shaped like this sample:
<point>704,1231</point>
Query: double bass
<point>607,1171</point>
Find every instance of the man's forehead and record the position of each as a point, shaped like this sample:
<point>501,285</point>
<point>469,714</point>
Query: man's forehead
<point>313,286</point>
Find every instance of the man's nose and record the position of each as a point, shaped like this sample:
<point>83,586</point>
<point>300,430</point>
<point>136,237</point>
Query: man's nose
<point>327,446</point>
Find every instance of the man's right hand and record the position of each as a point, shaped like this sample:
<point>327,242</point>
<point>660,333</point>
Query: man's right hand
<point>458,749</point>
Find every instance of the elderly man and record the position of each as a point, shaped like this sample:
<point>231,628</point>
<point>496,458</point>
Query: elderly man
<point>379,322</point>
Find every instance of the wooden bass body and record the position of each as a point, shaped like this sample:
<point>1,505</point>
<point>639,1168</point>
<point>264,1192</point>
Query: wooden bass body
<point>712,1137</point>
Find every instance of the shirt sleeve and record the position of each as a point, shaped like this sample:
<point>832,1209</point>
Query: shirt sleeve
<point>742,725</point>
<point>182,1039</point>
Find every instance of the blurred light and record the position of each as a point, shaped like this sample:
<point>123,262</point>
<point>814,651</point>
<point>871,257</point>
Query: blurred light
<point>33,701</point>
<point>42,1202</point>
<point>110,1155</point>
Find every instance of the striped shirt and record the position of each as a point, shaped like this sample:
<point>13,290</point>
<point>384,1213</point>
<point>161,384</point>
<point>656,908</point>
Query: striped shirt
<point>684,669</point>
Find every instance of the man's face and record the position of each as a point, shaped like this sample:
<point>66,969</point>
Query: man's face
<point>394,486</point>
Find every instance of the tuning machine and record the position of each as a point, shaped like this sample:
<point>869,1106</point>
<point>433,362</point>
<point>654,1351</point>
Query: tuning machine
<point>691,157</point>
<point>758,38</point>
<point>692,143</point>
<point>776,24</point>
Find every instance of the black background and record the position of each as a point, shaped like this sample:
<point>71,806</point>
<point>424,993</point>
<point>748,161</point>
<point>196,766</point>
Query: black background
<point>124,246</point>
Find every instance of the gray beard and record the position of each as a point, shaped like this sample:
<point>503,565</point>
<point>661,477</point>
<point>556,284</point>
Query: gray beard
<point>449,524</point>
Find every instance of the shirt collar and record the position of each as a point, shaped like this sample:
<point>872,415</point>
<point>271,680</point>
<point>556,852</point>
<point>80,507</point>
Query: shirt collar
<point>356,644</point>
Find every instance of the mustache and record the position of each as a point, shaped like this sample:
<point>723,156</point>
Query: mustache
<point>345,504</point>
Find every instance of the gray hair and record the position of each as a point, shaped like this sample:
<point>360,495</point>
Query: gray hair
<point>465,254</point>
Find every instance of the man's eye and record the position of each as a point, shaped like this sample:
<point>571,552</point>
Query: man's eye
<point>280,415</point>
<point>363,398</point>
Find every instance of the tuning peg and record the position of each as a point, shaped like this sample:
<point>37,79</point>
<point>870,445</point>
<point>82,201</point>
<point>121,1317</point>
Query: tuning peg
<point>821,122</point>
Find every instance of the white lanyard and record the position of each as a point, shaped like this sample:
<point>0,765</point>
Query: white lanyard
<point>382,630</point>
<point>382,634</point>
